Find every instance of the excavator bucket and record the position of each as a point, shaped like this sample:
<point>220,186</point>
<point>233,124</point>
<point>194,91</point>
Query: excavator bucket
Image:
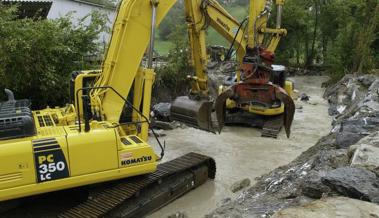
<point>195,113</point>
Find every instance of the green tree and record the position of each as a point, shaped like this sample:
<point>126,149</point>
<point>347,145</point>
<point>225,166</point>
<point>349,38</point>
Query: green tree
<point>37,57</point>
<point>341,34</point>
<point>173,75</point>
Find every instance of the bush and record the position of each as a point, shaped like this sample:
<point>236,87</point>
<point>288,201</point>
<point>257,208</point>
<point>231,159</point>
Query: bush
<point>173,76</point>
<point>37,57</point>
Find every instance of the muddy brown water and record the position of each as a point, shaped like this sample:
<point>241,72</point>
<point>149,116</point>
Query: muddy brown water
<point>241,153</point>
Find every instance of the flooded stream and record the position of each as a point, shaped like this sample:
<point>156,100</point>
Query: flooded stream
<point>241,153</point>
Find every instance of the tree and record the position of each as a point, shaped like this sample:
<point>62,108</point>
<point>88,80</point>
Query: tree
<point>173,75</point>
<point>37,57</point>
<point>341,34</point>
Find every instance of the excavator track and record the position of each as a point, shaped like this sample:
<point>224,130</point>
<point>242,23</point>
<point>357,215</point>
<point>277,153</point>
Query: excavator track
<point>141,195</point>
<point>272,127</point>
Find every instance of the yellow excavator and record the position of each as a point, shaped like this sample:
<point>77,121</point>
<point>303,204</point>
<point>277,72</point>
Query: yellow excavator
<point>259,96</point>
<point>103,135</point>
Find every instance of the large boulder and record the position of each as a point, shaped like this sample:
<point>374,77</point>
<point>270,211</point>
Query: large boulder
<point>312,185</point>
<point>353,130</point>
<point>353,182</point>
<point>366,153</point>
<point>239,185</point>
<point>162,112</point>
<point>337,207</point>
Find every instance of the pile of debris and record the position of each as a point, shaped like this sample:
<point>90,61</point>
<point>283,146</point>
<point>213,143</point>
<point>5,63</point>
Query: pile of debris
<point>338,177</point>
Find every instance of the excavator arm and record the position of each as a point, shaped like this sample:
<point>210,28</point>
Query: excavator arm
<point>196,108</point>
<point>255,93</point>
<point>132,31</point>
<point>130,39</point>
<point>200,14</point>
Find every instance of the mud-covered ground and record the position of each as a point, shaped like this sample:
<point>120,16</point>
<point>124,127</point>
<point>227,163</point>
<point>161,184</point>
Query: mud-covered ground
<point>241,153</point>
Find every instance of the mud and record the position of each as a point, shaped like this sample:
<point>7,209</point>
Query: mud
<point>241,153</point>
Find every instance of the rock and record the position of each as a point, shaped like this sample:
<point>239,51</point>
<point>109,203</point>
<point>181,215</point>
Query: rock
<point>366,153</point>
<point>313,103</point>
<point>161,112</point>
<point>345,94</point>
<point>158,133</point>
<point>325,160</point>
<point>226,201</point>
<point>332,110</point>
<point>163,125</point>
<point>312,185</point>
<point>336,207</point>
<point>178,215</point>
<point>330,159</point>
<point>367,79</point>
<point>237,186</point>
<point>353,130</point>
<point>353,182</point>
<point>299,106</point>
<point>304,97</point>
<point>345,139</point>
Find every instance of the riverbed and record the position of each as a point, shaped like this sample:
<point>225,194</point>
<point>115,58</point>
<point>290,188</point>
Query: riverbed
<point>241,152</point>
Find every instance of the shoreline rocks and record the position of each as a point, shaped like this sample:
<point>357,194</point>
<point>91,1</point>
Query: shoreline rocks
<point>344,163</point>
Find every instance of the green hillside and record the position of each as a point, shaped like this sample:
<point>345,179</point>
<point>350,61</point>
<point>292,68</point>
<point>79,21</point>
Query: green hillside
<point>213,38</point>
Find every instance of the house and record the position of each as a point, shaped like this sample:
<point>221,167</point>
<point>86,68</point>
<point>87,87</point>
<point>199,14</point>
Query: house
<point>52,9</point>
<point>30,9</point>
<point>82,8</point>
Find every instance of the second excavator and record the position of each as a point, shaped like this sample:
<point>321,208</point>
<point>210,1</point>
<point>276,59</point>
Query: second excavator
<point>260,96</point>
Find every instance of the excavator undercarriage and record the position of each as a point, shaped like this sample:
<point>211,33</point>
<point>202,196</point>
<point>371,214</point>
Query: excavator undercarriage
<point>131,197</point>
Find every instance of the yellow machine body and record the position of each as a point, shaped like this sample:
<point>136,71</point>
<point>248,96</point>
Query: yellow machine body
<point>60,157</point>
<point>230,104</point>
<point>61,153</point>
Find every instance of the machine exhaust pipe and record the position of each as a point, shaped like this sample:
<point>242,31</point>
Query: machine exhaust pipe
<point>10,95</point>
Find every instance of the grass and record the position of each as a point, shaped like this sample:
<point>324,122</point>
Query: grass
<point>163,47</point>
<point>213,38</point>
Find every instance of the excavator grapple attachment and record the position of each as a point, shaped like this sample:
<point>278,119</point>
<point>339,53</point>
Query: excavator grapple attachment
<point>246,94</point>
<point>195,113</point>
<point>289,110</point>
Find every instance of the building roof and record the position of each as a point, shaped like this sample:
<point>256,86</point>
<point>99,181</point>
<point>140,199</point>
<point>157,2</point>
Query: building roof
<point>98,3</point>
<point>36,9</point>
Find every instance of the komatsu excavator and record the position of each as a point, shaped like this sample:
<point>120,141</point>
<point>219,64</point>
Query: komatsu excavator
<point>260,96</point>
<point>103,135</point>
